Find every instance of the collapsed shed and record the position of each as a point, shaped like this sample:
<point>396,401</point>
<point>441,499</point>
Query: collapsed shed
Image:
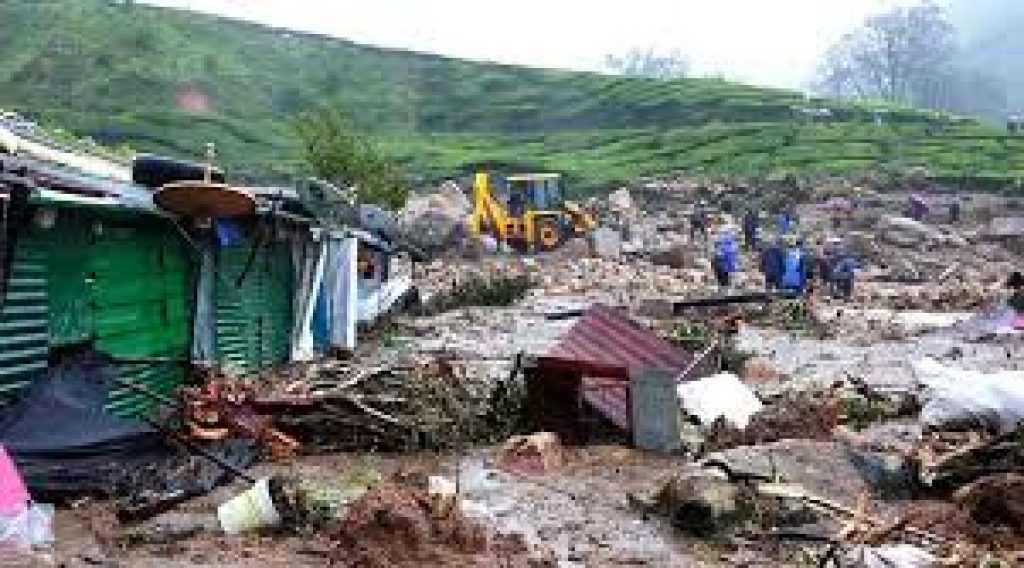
<point>583,387</point>
<point>91,263</point>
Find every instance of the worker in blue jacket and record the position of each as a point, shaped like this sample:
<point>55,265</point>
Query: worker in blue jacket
<point>796,269</point>
<point>727,254</point>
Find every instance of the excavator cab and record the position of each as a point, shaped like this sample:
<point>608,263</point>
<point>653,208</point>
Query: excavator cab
<point>526,211</point>
<point>535,192</point>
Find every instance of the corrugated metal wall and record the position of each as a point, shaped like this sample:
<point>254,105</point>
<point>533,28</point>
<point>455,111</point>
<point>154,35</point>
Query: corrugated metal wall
<point>124,284</point>
<point>254,319</point>
<point>141,296</point>
<point>24,339</point>
<point>69,280</point>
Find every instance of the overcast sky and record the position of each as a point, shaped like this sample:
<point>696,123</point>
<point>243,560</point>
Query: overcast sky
<point>767,42</point>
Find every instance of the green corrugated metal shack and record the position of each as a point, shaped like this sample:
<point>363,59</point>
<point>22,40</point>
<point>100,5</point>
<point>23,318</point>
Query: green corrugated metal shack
<point>94,271</point>
<point>116,274</point>
<point>253,292</point>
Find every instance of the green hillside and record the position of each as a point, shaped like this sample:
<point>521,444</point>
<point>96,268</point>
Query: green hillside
<point>168,81</point>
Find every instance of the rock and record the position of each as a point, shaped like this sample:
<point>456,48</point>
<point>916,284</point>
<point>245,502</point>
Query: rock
<point>824,468</point>
<point>676,256</point>
<point>700,502</point>
<point>606,243</point>
<point>621,201</point>
<point>655,308</point>
<point>436,219</point>
<point>995,500</point>
<point>536,453</point>
<point>761,369</point>
<point>906,232</point>
<point>574,248</point>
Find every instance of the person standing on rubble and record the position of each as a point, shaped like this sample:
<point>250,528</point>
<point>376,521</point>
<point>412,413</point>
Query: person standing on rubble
<point>796,269</point>
<point>787,220</point>
<point>917,208</point>
<point>726,261</point>
<point>844,271</point>
<point>771,264</point>
<point>1016,286</point>
<point>750,226</point>
<point>954,212</point>
<point>699,222</point>
<point>831,250</point>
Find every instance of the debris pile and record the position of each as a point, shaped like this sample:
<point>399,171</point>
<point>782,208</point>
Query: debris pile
<point>794,416</point>
<point>796,430</point>
<point>425,402</point>
<point>394,526</point>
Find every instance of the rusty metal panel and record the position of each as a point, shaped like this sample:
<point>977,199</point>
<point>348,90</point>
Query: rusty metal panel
<point>606,348</point>
<point>606,337</point>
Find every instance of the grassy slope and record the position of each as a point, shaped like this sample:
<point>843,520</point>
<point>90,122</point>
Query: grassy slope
<point>114,70</point>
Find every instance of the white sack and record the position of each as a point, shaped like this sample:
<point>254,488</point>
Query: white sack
<point>722,395</point>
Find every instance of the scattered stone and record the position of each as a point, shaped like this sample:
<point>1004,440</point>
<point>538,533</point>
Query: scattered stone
<point>536,453</point>
<point>606,243</point>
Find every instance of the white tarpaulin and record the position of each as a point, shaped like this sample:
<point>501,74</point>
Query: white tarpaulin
<point>376,300</point>
<point>959,397</point>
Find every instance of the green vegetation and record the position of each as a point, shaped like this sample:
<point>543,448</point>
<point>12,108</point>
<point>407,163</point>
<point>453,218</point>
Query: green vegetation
<point>168,81</point>
<point>334,154</point>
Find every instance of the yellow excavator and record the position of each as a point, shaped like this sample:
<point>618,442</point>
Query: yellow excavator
<point>530,214</point>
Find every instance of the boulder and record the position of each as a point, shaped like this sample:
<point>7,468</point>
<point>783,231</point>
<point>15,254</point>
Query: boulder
<point>700,502</point>
<point>676,256</point>
<point>535,453</point>
<point>606,243</point>
<point>621,201</point>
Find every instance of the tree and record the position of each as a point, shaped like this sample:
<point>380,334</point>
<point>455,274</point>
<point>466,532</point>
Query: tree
<point>648,63</point>
<point>333,152</point>
<point>907,55</point>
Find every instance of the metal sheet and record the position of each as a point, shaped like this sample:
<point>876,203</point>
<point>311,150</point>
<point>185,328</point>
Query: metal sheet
<point>607,338</point>
<point>24,336</point>
<point>254,319</point>
<point>69,279</point>
<point>655,412</point>
<point>607,344</point>
<point>140,299</point>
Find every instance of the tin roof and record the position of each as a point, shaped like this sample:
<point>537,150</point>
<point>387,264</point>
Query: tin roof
<point>607,343</point>
<point>606,346</point>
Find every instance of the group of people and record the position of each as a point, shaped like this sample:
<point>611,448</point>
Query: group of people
<point>788,265</point>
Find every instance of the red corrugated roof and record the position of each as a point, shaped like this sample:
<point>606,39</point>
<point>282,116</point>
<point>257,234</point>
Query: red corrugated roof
<point>610,344</point>
<point>607,344</point>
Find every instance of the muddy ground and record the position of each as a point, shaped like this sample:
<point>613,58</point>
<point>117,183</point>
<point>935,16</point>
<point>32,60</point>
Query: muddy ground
<point>582,512</point>
<point>586,512</point>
